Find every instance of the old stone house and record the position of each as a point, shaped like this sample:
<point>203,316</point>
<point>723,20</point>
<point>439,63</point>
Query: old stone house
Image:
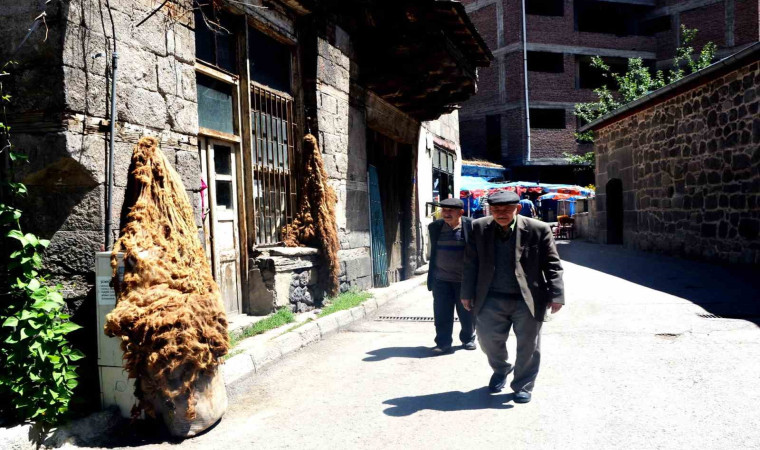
<point>678,171</point>
<point>230,89</point>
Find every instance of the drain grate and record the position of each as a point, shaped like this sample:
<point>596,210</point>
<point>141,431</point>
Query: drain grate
<point>744,316</point>
<point>408,319</point>
<point>668,336</point>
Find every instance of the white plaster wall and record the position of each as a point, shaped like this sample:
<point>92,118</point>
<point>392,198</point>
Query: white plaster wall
<point>446,128</point>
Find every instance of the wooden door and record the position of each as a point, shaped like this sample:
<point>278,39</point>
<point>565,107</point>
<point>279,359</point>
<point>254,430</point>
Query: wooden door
<point>225,251</point>
<point>377,230</point>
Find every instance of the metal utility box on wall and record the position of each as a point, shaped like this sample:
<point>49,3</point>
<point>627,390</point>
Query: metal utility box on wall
<point>115,387</point>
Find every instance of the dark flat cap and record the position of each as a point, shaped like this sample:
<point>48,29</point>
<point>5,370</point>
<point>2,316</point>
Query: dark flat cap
<point>503,198</point>
<point>451,203</point>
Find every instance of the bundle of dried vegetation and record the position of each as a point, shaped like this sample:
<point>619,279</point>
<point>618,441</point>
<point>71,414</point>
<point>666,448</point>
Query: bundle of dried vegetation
<point>314,224</point>
<point>169,314</point>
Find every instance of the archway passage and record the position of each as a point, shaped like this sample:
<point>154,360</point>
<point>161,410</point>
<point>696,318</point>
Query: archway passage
<point>614,211</point>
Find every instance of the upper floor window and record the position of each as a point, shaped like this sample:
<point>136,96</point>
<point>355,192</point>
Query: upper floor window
<point>269,61</point>
<point>443,173</point>
<point>215,42</point>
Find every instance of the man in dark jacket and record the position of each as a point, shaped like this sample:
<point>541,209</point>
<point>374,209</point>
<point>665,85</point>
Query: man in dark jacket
<point>512,275</point>
<point>448,238</point>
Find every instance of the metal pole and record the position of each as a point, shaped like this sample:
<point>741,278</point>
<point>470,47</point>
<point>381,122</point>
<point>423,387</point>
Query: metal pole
<point>525,73</point>
<point>112,126</point>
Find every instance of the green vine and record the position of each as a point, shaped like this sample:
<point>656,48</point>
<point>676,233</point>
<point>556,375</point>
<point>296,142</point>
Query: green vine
<point>38,375</point>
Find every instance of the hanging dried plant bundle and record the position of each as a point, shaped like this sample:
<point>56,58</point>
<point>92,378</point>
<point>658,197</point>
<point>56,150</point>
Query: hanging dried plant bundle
<point>314,223</point>
<point>169,314</point>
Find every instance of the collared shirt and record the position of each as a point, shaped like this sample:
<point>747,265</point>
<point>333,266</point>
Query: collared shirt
<point>504,233</point>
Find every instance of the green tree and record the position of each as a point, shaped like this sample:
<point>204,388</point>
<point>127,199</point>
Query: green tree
<point>638,81</point>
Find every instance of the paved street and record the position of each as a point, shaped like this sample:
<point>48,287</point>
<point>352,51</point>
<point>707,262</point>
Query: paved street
<point>628,363</point>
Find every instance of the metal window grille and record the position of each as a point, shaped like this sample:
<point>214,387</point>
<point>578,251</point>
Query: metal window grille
<point>274,193</point>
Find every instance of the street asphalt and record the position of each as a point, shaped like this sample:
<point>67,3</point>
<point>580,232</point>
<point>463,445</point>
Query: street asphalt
<point>628,363</point>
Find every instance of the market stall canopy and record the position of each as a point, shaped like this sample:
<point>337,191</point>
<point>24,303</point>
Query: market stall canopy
<point>560,196</point>
<point>477,187</point>
<point>474,190</point>
<point>569,189</point>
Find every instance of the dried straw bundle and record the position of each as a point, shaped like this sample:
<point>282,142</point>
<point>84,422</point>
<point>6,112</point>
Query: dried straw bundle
<point>314,223</point>
<point>169,313</point>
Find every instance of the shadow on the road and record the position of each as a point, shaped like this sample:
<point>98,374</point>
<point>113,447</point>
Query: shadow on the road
<point>381,354</point>
<point>727,291</point>
<point>125,433</point>
<point>448,401</point>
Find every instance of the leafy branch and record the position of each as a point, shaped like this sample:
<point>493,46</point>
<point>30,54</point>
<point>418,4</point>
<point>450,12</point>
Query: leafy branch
<point>38,373</point>
<point>638,81</point>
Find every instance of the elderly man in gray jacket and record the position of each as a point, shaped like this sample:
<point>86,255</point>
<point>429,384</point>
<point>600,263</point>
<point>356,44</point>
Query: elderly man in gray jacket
<point>512,275</point>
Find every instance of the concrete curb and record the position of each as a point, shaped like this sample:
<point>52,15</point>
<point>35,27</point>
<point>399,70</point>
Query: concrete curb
<point>259,356</point>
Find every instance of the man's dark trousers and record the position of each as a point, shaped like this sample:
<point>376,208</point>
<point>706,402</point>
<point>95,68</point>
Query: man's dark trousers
<point>445,300</point>
<point>495,320</point>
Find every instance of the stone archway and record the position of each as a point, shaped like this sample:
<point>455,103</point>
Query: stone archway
<point>614,194</point>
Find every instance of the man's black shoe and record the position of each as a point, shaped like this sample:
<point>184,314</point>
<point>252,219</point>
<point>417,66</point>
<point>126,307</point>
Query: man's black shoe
<point>437,350</point>
<point>497,382</point>
<point>522,397</point>
<point>470,345</point>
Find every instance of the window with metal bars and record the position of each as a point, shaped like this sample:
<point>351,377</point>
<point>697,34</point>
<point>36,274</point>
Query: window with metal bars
<point>272,152</point>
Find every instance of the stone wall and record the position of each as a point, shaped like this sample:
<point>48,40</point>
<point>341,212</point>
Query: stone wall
<point>690,170</point>
<point>585,222</point>
<point>342,135</point>
<point>60,121</point>
<point>67,144</point>
<point>288,277</point>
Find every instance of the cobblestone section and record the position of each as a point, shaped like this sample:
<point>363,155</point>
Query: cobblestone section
<point>690,169</point>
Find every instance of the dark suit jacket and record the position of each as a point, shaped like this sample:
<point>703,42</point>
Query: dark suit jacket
<point>435,232</point>
<point>538,268</point>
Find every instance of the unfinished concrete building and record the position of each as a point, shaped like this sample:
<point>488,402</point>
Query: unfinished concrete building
<point>561,38</point>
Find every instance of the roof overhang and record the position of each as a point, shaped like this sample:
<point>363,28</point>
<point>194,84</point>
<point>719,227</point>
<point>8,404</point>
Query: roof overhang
<point>421,56</point>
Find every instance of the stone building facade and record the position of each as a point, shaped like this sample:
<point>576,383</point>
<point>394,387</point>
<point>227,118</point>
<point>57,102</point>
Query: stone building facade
<point>562,37</point>
<point>679,170</point>
<point>230,89</point>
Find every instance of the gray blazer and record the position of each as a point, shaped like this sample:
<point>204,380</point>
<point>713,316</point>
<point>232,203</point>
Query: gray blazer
<point>539,271</point>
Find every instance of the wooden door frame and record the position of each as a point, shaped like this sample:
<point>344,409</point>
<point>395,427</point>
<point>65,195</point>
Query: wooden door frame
<point>206,144</point>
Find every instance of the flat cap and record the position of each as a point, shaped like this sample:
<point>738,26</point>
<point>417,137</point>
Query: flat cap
<point>503,198</point>
<point>451,203</point>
